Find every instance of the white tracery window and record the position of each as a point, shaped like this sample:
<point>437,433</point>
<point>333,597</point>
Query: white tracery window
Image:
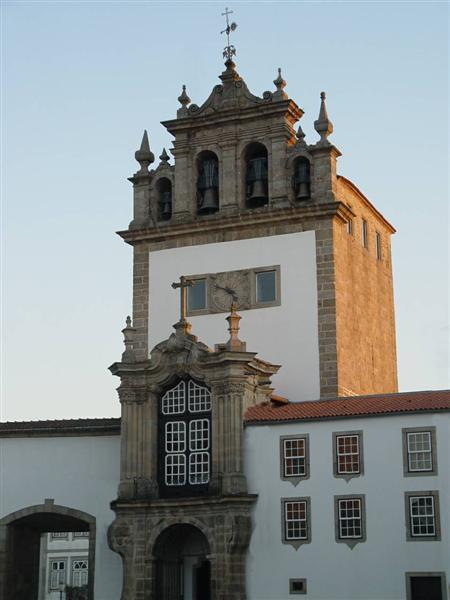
<point>350,518</point>
<point>175,436</point>
<point>57,573</point>
<point>79,572</point>
<point>199,398</point>
<point>296,520</point>
<point>175,469</point>
<point>347,452</point>
<point>185,438</point>
<point>174,401</point>
<point>422,516</point>
<point>420,456</point>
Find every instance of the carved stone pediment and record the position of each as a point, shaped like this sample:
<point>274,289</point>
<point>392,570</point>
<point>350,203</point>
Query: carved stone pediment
<point>234,95</point>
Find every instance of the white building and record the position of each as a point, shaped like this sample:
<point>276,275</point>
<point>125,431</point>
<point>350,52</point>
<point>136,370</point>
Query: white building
<point>212,486</point>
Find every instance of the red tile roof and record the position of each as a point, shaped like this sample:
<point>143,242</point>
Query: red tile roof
<point>60,427</point>
<point>351,406</point>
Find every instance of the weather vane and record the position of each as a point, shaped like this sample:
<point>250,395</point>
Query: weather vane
<point>229,51</point>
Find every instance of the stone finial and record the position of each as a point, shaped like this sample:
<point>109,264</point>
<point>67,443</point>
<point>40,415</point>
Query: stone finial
<point>323,125</point>
<point>300,136</point>
<point>280,84</point>
<point>128,340</point>
<point>164,157</point>
<point>234,343</point>
<point>144,155</point>
<point>184,100</point>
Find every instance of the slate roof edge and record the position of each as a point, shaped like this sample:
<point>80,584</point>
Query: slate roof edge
<point>61,427</point>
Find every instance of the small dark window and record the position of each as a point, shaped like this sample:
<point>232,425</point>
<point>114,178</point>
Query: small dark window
<point>256,175</point>
<point>207,183</point>
<point>297,586</point>
<point>164,191</point>
<point>302,179</point>
<point>197,295</point>
<point>378,244</point>
<point>364,235</point>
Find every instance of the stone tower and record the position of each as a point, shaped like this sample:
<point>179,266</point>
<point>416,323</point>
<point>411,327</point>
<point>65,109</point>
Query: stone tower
<point>247,191</point>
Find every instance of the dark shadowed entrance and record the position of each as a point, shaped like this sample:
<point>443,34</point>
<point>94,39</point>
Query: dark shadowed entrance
<point>20,535</point>
<point>183,568</point>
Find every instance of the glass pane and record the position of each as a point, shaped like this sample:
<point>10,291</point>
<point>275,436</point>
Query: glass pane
<point>197,295</point>
<point>265,286</point>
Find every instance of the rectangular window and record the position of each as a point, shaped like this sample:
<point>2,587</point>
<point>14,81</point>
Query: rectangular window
<point>266,289</point>
<point>59,535</point>
<point>378,245</point>
<point>348,457</point>
<point>429,585</point>
<point>80,534</point>
<point>175,436</point>
<point>198,468</point>
<point>294,458</point>
<point>57,573</point>
<point>79,572</point>
<point>419,451</point>
<point>297,586</point>
<point>422,512</point>
<point>350,519</point>
<point>196,295</point>
<point>364,234</point>
<point>199,435</point>
<point>175,469</point>
<point>296,521</point>
<point>350,227</point>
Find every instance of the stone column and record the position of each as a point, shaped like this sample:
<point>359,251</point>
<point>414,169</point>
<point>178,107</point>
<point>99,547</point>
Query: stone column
<point>229,202</point>
<point>324,179</point>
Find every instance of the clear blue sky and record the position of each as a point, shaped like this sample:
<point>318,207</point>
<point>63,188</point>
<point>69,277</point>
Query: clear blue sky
<point>81,81</point>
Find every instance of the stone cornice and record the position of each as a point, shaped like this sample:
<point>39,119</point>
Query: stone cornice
<point>244,220</point>
<point>194,502</point>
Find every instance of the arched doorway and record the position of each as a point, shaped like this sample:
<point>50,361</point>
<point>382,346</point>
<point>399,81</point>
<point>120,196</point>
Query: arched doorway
<point>183,568</point>
<point>20,542</point>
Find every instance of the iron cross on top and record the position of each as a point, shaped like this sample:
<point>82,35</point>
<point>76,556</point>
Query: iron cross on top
<point>183,285</point>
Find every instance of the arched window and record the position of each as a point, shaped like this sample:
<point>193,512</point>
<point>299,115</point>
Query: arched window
<point>207,183</point>
<point>302,178</point>
<point>164,195</point>
<point>256,175</point>
<point>184,467</point>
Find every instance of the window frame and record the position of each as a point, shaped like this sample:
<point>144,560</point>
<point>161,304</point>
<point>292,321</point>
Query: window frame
<point>364,233</point>
<point>378,246</point>
<point>410,574</point>
<point>294,580</point>
<point>431,429</point>
<point>335,436</point>
<point>350,541</point>
<point>74,559</point>
<point>296,542</point>
<point>410,537</point>
<point>63,559</point>
<point>294,479</point>
<point>198,311</point>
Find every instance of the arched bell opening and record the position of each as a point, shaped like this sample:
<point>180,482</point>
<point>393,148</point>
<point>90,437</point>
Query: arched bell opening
<point>207,183</point>
<point>183,570</point>
<point>164,196</point>
<point>26,571</point>
<point>302,179</point>
<point>256,175</point>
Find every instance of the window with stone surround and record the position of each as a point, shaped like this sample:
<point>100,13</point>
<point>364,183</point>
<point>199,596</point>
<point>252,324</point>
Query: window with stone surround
<point>419,451</point>
<point>422,516</point>
<point>296,521</point>
<point>57,573</point>
<point>80,571</point>
<point>294,458</point>
<point>364,234</point>
<point>350,519</point>
<point>184,434</point>
<point>378,245</point>
<point>348,454</point>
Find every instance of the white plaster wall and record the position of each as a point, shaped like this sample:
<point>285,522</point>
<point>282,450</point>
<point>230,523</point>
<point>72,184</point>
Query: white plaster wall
<point>77,472</point>
<point>286,334</point>
<point>373,570</point>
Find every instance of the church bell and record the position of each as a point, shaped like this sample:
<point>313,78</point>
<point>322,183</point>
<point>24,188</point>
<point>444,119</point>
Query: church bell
<point>303,190</point>
<point>210,202</point>
<point>259,194</point>
<point>166,205</point>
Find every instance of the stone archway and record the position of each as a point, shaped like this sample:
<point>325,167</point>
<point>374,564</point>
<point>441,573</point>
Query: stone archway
<point>20,534</point>
<point>183,569</point>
